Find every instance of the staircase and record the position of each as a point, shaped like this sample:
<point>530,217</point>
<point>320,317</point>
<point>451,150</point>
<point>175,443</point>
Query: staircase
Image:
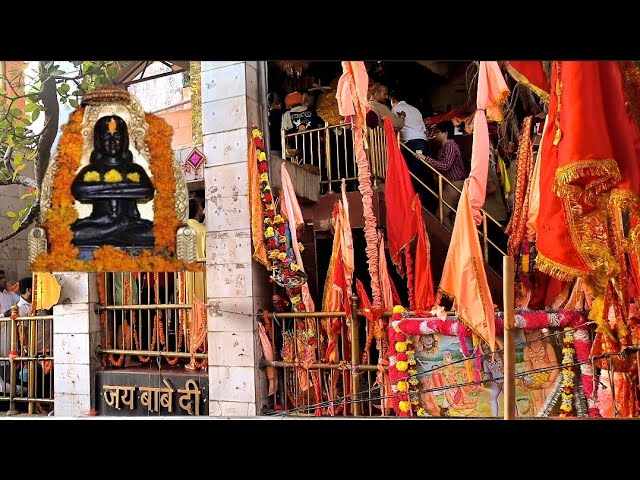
<point>319,214</point>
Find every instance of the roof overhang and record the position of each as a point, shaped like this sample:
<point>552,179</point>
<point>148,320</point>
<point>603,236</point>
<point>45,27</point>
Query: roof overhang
<point>134,72</point>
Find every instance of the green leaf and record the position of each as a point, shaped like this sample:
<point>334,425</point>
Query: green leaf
<point>64,88</point>
<point>22,213</point>
<point>16,112</point>
<point>16,225</point>
<point>11,214</point>
<point>18,169</point>
<point>18,158</point>
<point>73,102</point>
<point>30,107</point>
<point>27,195</point>
<point>35,115</point>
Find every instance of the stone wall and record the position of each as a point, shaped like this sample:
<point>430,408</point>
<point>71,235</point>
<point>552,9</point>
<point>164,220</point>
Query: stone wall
<point>13,252</point>
<point>237,286</point>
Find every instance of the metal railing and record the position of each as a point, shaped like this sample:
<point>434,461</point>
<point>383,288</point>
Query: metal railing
<point>483,229</point>
<point>146,315</point>
<point>354,383</point>
<point>331,150</point>
<point>27,367</point>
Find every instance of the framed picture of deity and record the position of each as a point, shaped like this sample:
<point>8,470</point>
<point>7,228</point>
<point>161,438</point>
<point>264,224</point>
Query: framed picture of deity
<point>448,373</point>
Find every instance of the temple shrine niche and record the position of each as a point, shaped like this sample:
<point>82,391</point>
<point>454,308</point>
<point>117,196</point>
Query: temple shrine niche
<point>114,197</point>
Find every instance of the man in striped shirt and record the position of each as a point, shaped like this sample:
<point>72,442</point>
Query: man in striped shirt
<point>448,161</point>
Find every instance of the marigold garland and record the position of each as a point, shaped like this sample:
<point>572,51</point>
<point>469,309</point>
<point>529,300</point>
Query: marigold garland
<point>402,369</point>
<point>63,256</point>
<point>275,228</point>
<point>568,374</point>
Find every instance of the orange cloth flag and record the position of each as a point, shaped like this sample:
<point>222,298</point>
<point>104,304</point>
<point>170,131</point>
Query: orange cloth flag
<point>406,222</point>
<point>399,195</point>
<point>530,73</point>
<point>335,297</point>
<point>464,278</point>
<point>592,147</point>
<point>423,281</point>
<point>385,281</point>
<point>255,209</point>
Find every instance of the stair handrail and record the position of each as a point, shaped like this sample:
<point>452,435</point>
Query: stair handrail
<point>441,203</point>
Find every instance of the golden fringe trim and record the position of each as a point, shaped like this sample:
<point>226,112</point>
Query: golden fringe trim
<point>557,270</point>
<point>544,96</point>
<point>476,275</point>
<point>606,168</point>
<point>624,199</point>
<point>460,317</point>
<point>558,135</point>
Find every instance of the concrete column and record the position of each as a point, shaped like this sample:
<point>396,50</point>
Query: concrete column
<point>237,286</point>
<point>76,333</point>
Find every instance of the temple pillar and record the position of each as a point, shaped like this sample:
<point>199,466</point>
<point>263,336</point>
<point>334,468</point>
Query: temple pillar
<point>237,286</point>
<point>76,334</point>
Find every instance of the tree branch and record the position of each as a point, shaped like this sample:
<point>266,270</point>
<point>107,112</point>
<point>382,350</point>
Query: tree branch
<point>49,97</point>
<point>26,222</point>
<point>25,181</point>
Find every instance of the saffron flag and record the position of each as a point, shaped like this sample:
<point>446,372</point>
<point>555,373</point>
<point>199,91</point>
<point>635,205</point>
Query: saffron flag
<point>335,297</point>
<point>399,195</point>
<point>530,73</point>
<point>464,278</point>
<point>406,223</point>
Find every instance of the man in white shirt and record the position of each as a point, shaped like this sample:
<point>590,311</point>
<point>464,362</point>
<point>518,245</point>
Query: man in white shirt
<point>26,294</point>
<point>414,135</point>
<point>7,300</point>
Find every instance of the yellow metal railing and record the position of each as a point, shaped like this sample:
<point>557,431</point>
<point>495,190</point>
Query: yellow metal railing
<point>486,217</point>
<point>330,148</point>
<point>350,385</point>
<point>149,315</point>
<point>27,367</point>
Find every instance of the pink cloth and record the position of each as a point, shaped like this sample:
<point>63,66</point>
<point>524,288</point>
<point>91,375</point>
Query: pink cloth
<point>291,211</point>
<point>352,96</point>
<point>492,91</point>
<point>464,277</point>
<point>479,165</point>
<point>267,351</point>
<point>352,99</point>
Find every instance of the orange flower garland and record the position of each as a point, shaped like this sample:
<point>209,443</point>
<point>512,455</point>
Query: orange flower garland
<point>62,255</point>
<point>275,228</point>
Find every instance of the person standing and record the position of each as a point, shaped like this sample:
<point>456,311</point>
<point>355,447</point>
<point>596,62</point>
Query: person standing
<point>378,101</point>
<point>7,300</point>
<point>448,161</point>
<point>414,135</point>
<point>275,123</point>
